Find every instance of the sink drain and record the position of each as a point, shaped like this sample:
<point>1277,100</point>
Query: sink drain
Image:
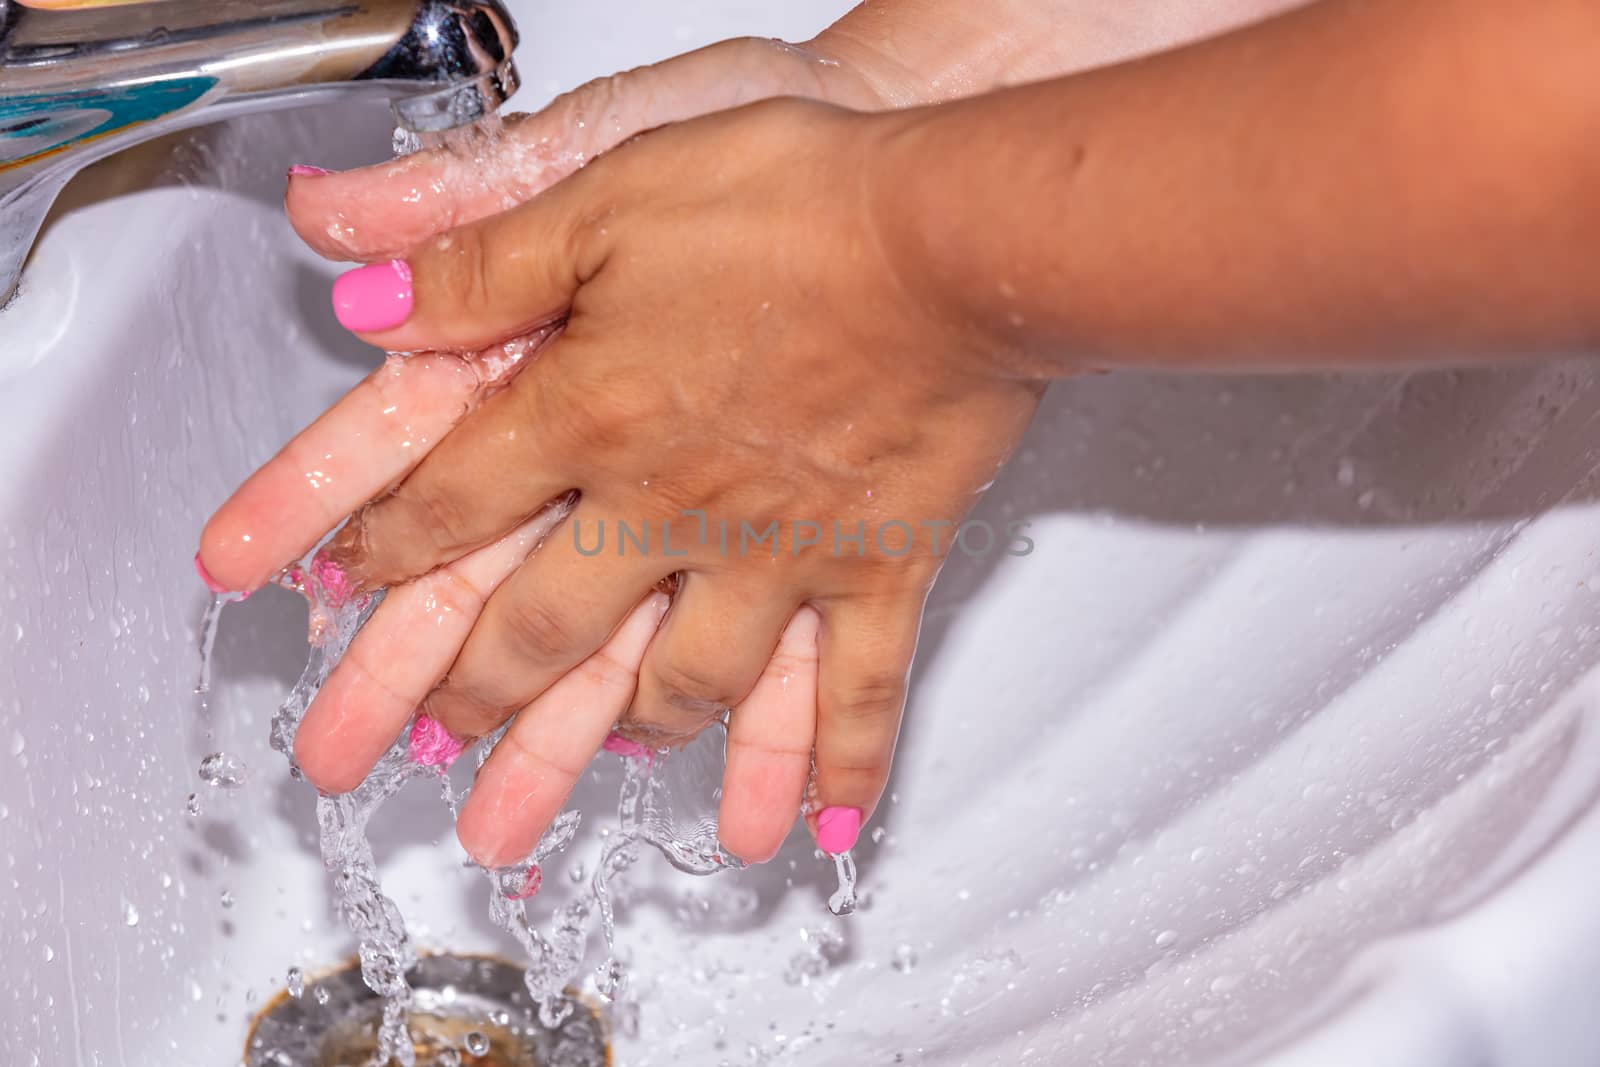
<point>469,1011</point>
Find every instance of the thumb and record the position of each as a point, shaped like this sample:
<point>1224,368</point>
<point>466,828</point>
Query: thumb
<point>480,283</point>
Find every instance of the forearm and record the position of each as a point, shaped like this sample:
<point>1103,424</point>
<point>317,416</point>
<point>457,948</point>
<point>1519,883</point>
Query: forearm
<point>1350,184</point>
<point>923,51</point>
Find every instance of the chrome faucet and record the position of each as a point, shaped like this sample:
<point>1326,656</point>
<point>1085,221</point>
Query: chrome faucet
<point>77,85</point>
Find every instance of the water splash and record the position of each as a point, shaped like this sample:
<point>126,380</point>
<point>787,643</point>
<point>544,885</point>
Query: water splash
<point>222,771</point>
<point>383,943</point>
<point>666,802</point>
<point>209,624</point>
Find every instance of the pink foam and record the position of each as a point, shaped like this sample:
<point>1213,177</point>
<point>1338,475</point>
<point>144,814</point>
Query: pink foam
<point>615,742</point>
<point>431,744</point>
<point>530,884</point>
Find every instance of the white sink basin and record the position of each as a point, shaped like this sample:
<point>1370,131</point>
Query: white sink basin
<point>1280,749</point>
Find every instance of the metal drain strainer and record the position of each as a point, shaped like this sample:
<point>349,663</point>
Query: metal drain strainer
<point>470,1011</point>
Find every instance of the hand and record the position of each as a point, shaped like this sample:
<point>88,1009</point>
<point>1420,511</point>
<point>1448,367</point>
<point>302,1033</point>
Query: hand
<point>735,341</point>
<point>378,212</point>
<point>391,420</point>
<point>380,431</point>
<point>349,455</point>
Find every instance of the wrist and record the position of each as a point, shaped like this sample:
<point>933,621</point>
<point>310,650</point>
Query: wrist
<point>927,240</point>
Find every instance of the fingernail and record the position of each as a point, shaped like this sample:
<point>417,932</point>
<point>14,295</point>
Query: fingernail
<point>627,749</point>
<point>531,881</point>
<point>837,829</point>
<point>431,744</point>
<point>301,170</point>
<point>335,583</point>
<point>375,297</point>
<point>659,603</point>
<point>216,587</point>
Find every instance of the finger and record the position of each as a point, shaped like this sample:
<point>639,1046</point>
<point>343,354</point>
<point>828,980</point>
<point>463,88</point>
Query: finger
<point>372,436</point>
<point>381,211</point>
<point>769,747</point>
<point>709,653</point>
<point>364,443</point>
<point>481,282</point>
<point>377,212</point>
<point>527,778</point>
<point>398,657</point>
<point>488,475</point>
<point>866,649</point>
<point>557,609</point>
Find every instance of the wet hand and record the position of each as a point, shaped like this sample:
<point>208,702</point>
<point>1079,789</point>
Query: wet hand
<point>734,350</point>
<point>383,428</point>
<point>378,432</point>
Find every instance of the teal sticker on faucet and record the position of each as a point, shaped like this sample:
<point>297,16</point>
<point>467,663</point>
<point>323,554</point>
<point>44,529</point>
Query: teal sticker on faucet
<point>38,124</point>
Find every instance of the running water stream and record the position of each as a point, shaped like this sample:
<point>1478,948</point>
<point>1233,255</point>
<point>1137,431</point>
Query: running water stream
<point>661,805</point>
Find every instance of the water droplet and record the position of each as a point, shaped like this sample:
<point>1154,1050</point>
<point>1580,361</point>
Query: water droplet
<point>1224,983</point>
<point>905,959</point>
<point>130,914</point>
<point>843,900</point>
<point>1166,938</point>
<point>49,953</point>
<point>192,805</point>
<point>321,995</point>
<point>295,982</point>
<point>227,898</point>
<point>476,1043</point>
<point>222,770</point>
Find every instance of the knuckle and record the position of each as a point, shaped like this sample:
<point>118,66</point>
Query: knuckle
<point>872,697</point>
<point>787,661</point>
<point>538,632</point>
<point>465,264</point>
<point>530,756</point>
<point>687,685</point>
<point>604,671</point>
<point>452,593</point>
<point>859,776</point>
<point>444,520</point>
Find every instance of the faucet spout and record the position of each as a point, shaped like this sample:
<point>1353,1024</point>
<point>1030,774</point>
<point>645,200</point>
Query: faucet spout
<point>79,84</point>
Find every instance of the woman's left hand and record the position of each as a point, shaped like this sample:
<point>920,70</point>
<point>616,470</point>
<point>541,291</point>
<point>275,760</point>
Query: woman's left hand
<point>737,351</point>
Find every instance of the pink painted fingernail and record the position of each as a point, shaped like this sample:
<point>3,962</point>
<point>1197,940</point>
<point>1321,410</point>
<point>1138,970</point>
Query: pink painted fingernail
<point>335,583</point>
<point>629,749</point>
<point>431,744</point>
<point>375,297</point>
<point>837,829</point>
<point>216,587</point>
<point>302,170</point>
<point>205,576</point>
<point>530,883</point>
